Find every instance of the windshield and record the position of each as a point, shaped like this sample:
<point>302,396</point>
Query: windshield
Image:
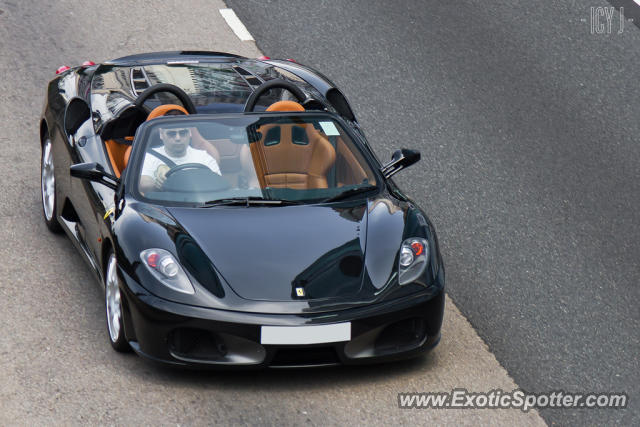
<point>288,157</point>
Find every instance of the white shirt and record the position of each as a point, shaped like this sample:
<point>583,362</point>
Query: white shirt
<point>192,155</point>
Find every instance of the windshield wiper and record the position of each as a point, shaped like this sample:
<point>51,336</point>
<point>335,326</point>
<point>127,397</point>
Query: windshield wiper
<point>351,192</point>
<point>247,201</point>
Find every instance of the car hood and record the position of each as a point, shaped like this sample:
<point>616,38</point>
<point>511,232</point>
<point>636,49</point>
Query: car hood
<point>298,253</point>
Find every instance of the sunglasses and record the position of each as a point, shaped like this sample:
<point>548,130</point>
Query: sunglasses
<point>175,133</point>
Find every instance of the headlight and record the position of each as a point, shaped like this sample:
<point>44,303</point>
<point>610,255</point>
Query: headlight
<point>414,257</point>
<point>166,269</point>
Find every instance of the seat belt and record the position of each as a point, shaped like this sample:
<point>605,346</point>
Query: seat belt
<point>164,158</point>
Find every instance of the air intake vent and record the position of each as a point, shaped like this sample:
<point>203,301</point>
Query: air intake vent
<point>139,80</point>
<point>242,71</point>
<point>314,356</point>
<point>247,76</point>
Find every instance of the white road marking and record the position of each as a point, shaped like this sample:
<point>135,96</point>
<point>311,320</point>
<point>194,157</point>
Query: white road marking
<point>236,24</point>
<point>637,2</point>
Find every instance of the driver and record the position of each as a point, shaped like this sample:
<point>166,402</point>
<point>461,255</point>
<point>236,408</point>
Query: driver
<point>176,147</point>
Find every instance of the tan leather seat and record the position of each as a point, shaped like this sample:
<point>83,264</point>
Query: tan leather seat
<point>348,169</point>
<point>293,156</point>
<point>127,154</point>
<point>118,155</point>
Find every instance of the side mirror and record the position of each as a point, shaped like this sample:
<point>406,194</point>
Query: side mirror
<point>94,172</point>
<point>401,159</point>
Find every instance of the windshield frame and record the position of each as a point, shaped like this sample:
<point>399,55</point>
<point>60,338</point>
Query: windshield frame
<point>132,172</point>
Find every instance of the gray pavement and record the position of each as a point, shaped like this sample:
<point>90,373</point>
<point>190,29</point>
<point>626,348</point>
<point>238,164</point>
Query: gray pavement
<point>528,126</point>
<point>57,365</point>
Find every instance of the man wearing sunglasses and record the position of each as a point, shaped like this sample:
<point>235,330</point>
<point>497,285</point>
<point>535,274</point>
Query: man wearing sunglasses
<point>176,148</point>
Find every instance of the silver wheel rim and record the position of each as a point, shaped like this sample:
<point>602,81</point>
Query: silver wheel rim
<point>48,181</point>
<point>114,307</point>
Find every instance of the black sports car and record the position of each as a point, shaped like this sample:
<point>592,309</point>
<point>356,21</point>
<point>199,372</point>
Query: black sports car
<point>236,215</point>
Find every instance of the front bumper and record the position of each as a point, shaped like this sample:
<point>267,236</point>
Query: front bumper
<point>184,335</point>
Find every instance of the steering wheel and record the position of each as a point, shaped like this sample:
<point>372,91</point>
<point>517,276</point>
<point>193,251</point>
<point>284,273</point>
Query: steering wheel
<point>185,166</point>
<point>199,179</point>
<point>166,87</point>
<point>271,84</point>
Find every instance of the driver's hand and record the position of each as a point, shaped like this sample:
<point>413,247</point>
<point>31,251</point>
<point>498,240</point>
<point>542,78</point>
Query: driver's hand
<point>161,175</point>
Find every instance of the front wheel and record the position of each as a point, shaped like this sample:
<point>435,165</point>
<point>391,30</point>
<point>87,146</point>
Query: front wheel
<point>48,187</point>
<point>113,304</point>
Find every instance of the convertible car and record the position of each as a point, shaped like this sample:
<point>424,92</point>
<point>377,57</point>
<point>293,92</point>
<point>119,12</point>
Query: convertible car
<point>235,214</point>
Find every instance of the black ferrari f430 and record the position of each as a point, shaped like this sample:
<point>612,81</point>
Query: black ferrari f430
<point>235,214</point>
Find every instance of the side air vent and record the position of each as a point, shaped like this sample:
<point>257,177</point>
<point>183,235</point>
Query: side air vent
<point>242,71</point>
<point>247,76</point>
<point>139,80</point>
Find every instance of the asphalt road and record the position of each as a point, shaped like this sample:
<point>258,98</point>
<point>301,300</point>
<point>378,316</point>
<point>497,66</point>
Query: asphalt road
<point>528,126</point>
<point>57,365</point>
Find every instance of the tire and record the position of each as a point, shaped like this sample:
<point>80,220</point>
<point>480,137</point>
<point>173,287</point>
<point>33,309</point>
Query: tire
<point>113,306</point>
<point>48,187</point>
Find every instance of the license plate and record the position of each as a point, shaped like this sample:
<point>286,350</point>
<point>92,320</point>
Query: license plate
<point>312,334</point>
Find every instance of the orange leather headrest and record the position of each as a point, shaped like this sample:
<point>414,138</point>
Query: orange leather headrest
<point>164,109</point>
<point>285,106</point>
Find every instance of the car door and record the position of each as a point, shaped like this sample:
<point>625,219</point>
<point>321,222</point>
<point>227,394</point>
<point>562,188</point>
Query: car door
<point>90,200</point>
